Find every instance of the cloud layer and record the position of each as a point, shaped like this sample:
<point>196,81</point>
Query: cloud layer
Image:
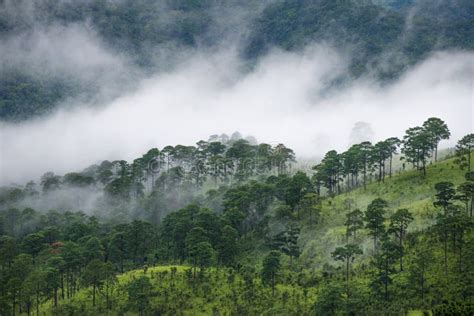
<point>285,98</point>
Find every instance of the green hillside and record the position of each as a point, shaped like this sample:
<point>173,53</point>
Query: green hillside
<point>230,228</point>
<point>172,289</point>
<point>408,189</point>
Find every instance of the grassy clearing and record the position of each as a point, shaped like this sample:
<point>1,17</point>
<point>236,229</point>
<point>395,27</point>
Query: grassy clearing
<point>408,189</point>
<point>216,290</point>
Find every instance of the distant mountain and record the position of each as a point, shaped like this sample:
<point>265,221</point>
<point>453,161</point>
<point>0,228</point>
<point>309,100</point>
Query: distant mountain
<point>379,37</point>
<point>384,37</point>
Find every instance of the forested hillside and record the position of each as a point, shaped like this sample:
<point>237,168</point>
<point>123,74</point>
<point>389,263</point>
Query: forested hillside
<point>232,227</point>
<point>382,39</point>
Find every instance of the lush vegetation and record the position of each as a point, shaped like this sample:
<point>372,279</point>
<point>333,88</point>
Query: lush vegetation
<point>369,31</point>
<point>229,227</point>
<point>148,32</point>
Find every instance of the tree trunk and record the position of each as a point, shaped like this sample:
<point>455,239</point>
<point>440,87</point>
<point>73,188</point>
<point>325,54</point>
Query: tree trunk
<point>390,170</point>
<point>401,248</point>
<point>386,280</point>
<point>380,171</point>
<point>445,253</point>
<point>472,200</point>
<point>469,159</point>
<point>107,295</point>
<point>422,282</point>
<point>93,294</point>
<point>383,171</point>
<point>37,303</point>
<point>55,297</point>
<point>62,286</point>
<point>347,272</point>
<point>365,177</point>
<point>273,285</point>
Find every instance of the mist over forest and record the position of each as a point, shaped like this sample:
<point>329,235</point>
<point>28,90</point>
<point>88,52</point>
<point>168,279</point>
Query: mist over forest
<point>79,71</point>
<point>274,120</point>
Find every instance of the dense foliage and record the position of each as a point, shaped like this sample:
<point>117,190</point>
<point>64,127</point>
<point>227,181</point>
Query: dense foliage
<point>252,236</point>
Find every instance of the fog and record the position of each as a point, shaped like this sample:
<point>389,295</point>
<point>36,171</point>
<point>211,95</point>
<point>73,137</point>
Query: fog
<point>285,98</point>
<point>74,54</point>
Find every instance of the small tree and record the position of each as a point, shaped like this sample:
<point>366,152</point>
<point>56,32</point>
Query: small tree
<point>205,255</point>
<point>93,276</point>
<point>195,236</point>
<point>418,273</point>
<point>109,281</point>
<point>330,299</point>
<point>139,294</point>
<point>228,246</point>
<point>346,254</point>
<point>463,151</point>
<point>287,241</point>
<point>445,194</point>
<point>417,147</point>
<point>311,204</point>
<point>466,194</point>
<point>374,218</point>
<point>33,244</point>
<point>384,262</point>
<point>271,266</point>
<point>438,131</point>
<point>354,222</point>
<point>398,225</point>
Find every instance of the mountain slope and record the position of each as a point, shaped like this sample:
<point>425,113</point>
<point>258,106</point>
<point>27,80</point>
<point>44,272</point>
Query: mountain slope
<point>151,36</point>
<point>313,277</point>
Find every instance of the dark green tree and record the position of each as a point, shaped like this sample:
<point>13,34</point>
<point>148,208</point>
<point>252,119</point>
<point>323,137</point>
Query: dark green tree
<point>354,222</point>
<point>140,292</point>
<point>194,239</point>
<point>347,255</point>
<point>311,204</point>
<point>463,152</point>
<point>270,267</point>
<point>33,244</point>
<point>384,263</point>
<point>228,246</point>
<point>374,218</point>
<point>466,194</point>
<point>438,130</point>
<point>93,276</point>
<point>204,254</point>
<point>417,147</point>
<point>445,194</point>
<point>287,241</point>
<point>399,222</point>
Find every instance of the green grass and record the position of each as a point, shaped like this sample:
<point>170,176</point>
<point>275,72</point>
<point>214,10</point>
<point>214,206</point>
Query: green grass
<point>179,295</point>
<point>408,189</point>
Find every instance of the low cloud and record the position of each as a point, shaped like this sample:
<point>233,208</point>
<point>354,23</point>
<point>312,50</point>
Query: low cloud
<point>287,97</point>
<point>74,53</point>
